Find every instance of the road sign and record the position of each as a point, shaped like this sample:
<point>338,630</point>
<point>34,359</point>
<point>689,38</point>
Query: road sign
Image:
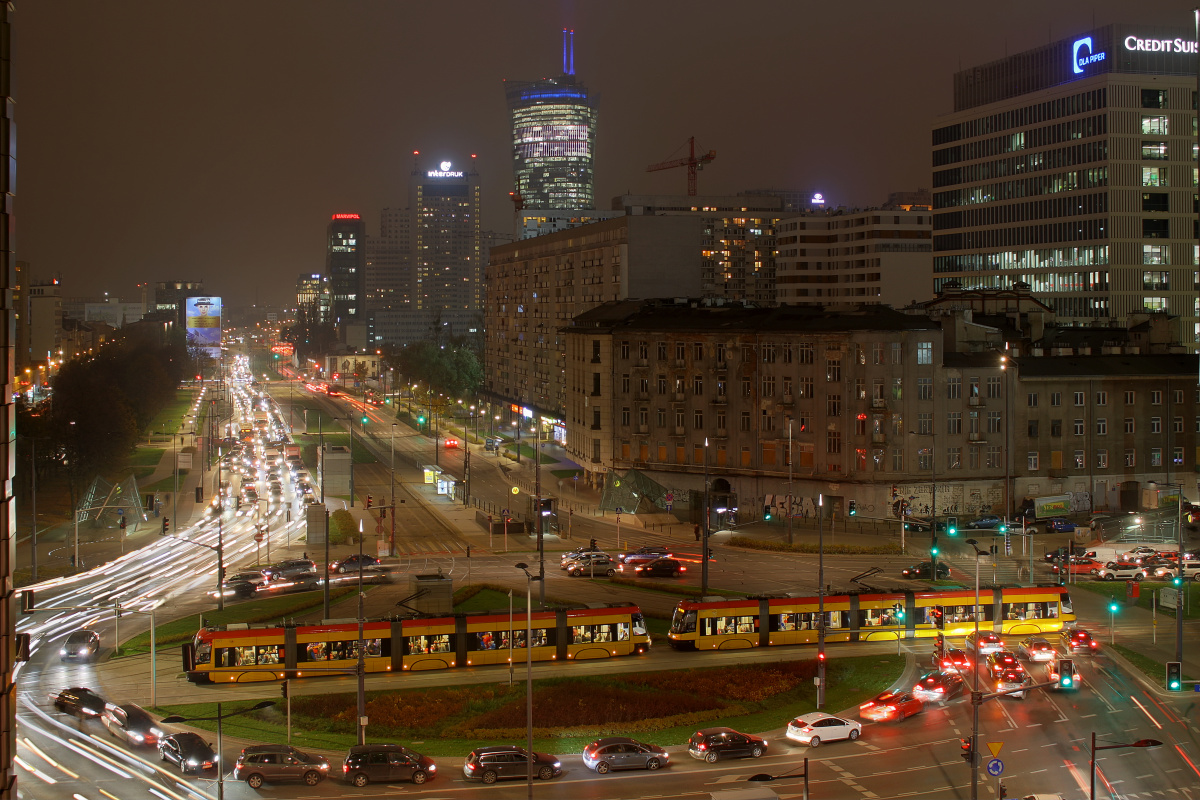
<point>516,490</point>
<point>995,748</point>
<point>668,507</point>
<point>995,767</point>
<point>670,496</point>
<point>258,536</point>
<point>620,510</point>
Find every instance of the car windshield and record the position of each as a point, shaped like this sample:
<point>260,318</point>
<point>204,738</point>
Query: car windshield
<point>79,637</point>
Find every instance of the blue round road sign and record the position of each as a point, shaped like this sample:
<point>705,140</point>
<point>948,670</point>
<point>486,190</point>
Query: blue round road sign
<point>995,767</point>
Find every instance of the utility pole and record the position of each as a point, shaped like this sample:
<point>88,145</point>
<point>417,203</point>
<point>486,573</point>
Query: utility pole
<point>704,530</point>
<point>820,602</point>
<point>537,509</point>
<point>789,502</point>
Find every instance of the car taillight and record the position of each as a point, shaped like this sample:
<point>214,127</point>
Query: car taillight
<point>891,708</point>
<point>940,689</point>
<point>1093,644</point>
<point>345,768</point>
<point>683,569</point>
<point>471,766</point>
<point>702,746</point>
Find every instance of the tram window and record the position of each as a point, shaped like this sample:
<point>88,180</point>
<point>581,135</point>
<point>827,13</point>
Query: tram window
<point>203,653</point>
<point>1023,611</point>
<point>622,631</point>
<point>795,621</point>
<point>878,618</point>
<point>240,656</point>
<point>420,645</point>
<point>269,654</point>
<point>683,621</point>
<point>837,619</point>
<point>721,626</point>
<point>584,634</point>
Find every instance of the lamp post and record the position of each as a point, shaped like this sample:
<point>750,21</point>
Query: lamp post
<point>1179,559</point>
<point>362,656</point>
<point>789,523</point>
<point>975,689</point>
<point>175,718</point>
<point>1095,747</point>
<point>704,530</point>
<point>392,543</point>
<point>529,579</point>
<point>820,602</point>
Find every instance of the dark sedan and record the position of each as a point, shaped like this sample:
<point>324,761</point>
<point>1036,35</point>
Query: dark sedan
<point>712,744</point>
<point>82,645</point>
<point>351,564</point>
<point>985,522</point>
<point>189,751</point>
<point>658,568</point>
<point>938,686</point>
<point>620,752</point>
<point>649,550</point>
<point>79,701</point>
<point>925,570</point>
<point>131,723</point>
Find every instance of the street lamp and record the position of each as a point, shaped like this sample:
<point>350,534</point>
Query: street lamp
<point>820,601</point>
<point>1179,560</point>
<point>529,579</point>
<point>392,543</point>
<point>1095,747</point>
<point>175,718</point>
<point>975,688</point>
<point>763,777</point>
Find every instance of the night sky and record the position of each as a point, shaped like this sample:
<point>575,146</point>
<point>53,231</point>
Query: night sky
<point>211,141</point>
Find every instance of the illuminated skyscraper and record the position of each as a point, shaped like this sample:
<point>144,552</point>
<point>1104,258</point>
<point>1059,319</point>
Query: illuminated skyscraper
<point>554,138</point>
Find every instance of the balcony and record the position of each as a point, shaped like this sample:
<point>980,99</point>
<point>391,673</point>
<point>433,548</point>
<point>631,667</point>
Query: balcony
<point>878,402</point>
<point>878,438</point>
<point>720,400</point>
<point>976,437</point>
<point>722,434</point>
<point>974,401</point>
<point>680,397</point>
<point>680,431</point>
<point>643,428</point>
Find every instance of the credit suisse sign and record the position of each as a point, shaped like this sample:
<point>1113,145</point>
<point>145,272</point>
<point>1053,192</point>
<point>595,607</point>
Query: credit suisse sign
<point>1159,45</point>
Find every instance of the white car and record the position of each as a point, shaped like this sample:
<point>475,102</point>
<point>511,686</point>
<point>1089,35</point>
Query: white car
<point>1138,553</point>
<point>812,729</point>
<point>1035,648</point>
<point>1120,571</point>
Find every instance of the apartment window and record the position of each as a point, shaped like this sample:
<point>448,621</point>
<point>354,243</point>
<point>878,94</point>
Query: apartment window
<point>1155,176</point>
<point>1177,425</point>
<point>860,425</point>
<point>1079,459</point>
<point>768,386</point>
<point>1155,303</point>
<point>1056,398</point>
<point>1102,427</point>
<point>1129,426</point>
<point>1033,428</point>
<point>662,384</point>
<point>925,458</point>
<point>924,388</point>
<point>954,422</point>
<point>1154,228</point>
<point>993,387</point>
<point>1101,398</point>
<point>662,418</point>
<point>1156,424</point>
<point>595,419</point>
<point>644,387</point>
<point>1156,202</point>
<point>1101,459</point>
<point>768,352</point>
<point>595,351</point>
<point>972,423</point>
<point>698,420</point>
<point>720,354</point>
<point>1177,394</point>
<point>953,458</point>
<point>1156,456</point>
<point>625,416</point>
<point>697,384</point>
<point>860,389</point>
<point>662,351</point>
<point>973,387</point>
<point>1031,399</point>
<point>595,384</point>
<point>1080,398</point>
<point>625,384</point>
<point>897,388</point>
<point>698,351</point>
<point>1056,427</point>
<point>678,419</point>
<point>1154,98</point>
<point>1079,427</point>
<point>973,457</point>
<point>833,404</point>
<point>746,388</point>
<point>1177,456</point>
<point>625,350</point>
<point>787,386</point>
<point>806,387</point>
<point>1130,458</point>
<point>1130,397</point>
<point>1155,125</point>
<point>877,353</point>
<point>924,352</point>
<point>1156,398</point>
<point>993,422</point>
<point>1031,462</point>
<point>747,353</point>
<point>954,388</point>
<point>925,423</point>
<point>643,351</point>
<point>787,354</point>
<point>643,417</point>
<point>680,351</point>
<point>744,421</point>
<point>721,420</point>
<point>993,457</point>
<point>833,369</point>
<point>897,459</point>
<point>897,353</point>
<point>833,442</point>
<point>768,421</point>
<point>1154,151</point>
<point>805,353</point>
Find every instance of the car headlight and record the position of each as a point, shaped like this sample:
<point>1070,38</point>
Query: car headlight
<point>557,764</point>
<point>62,652</point>
<point>192,763</point>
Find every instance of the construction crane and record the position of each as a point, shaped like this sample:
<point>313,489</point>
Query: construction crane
<point>691,162</point>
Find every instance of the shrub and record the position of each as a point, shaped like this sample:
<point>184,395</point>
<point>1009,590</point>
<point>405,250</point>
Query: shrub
<point>342,527</point>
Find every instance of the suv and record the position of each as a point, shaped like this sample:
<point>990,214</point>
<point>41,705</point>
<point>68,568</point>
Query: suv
<point>712,744</point>
<point>383,763</point>
<point>1121,570</point>
<point>490,764</point>
<point>278,762</point>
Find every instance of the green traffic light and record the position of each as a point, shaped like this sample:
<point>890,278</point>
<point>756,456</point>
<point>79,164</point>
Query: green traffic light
<point>1003,528</point>
<point>933,551</point>
<point>1113,608</point>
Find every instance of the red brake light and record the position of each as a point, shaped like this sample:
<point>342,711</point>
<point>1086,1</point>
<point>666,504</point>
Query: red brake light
<point>683,569</point>
<point>940,689</point>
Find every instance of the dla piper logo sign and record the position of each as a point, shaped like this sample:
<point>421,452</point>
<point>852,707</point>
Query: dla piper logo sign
<point>1082,54</point>
<point>1159,45</point>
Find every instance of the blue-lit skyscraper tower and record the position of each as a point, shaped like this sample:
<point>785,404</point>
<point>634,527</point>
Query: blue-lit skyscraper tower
<point>554,138</point>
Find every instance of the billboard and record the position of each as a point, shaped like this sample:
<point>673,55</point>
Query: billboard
<point>202,318</point>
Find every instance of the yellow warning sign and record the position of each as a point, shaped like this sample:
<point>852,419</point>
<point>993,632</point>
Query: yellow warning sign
<point>995,748</point>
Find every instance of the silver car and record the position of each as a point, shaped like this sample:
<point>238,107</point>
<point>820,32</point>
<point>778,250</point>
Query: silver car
<point>592,563</point>
<point>619,752</point>
<point>1035,648</point>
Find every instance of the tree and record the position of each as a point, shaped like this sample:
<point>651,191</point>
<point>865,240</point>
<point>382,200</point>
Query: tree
<point>342,527</point>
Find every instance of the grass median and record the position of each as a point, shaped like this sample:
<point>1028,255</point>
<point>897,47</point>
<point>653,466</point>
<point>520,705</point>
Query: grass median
<point>1115,590</point>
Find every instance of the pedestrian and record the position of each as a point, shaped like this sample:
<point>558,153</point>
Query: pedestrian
<point>696,531</point>
<point>305,555</point>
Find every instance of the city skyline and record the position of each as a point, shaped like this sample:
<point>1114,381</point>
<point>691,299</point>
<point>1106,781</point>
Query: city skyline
<point>182,144</point>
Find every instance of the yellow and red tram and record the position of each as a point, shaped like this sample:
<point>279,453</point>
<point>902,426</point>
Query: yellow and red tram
<point>243,653</point>
<point>865,616</point>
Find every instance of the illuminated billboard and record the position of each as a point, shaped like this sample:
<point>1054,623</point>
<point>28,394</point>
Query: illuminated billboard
<point>202,318</point>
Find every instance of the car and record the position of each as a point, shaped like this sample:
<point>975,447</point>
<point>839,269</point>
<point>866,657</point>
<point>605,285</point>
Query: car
<point>351,563</point>
<point>1120,570</point>
<point>271,763</point>
<point>1078,565</point>
<point>953,660</point>
<point>659,567</point>
<point>984,642</point>
<point>620,752</point>
<point>291,569</point>
<point>451,444</point>
<point>188,751</point>
<point>1003,661</point>
<point>82,645</point>
<point>1072,549</point>
<point>938,686</point>
<point>890,706</point>
<point>713,744</point>
<point>80,701</point>
<point>1055,670</point>
<point>491,764</point>
<point>1138,553</point>
<point>1014,679</point>
<point>592,564</point>
<point>131,723</point>
<point>1191,571</point>
<point>1078,640</point>
<point>571,555</point>
<point>925,570</point>
<point>384,763</point>
<point>242,585</point>
<point>921,525</point>
<point>1052,525</point>
<point>648,550</point>
<point>1035,648</point>
<point>985,522</point>
<point>817,727</point>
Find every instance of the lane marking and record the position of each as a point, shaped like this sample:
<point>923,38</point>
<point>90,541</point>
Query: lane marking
<point>1157,724</point>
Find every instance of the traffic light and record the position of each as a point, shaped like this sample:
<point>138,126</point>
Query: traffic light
<point>1177,581</point>
<point>898,612</point>
<point>592,544</point>
<point>547,506</point>
<point>766,513</point>
<point>1113,607</point>
<point>166,526</point>
<point>933,547</point>
<point>1174,676</point>
<point>952,526</point>
<point>968,753</point>
<point>1002,527</point>
<point>383,512</point>
<point>895,494</point>
<point>283,689</point>
<point>28,605</point>
<point>121,523</point>
<point>1066,673</point>
<point>853,508</point>
<point>370,500</point>
<point>821,656</point>
<point>364,420</point>
<point>421,419</point>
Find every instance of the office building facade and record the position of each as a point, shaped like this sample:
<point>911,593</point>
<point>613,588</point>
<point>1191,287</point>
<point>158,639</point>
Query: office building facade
<point>446,253</point>
<point>1071,168</point>
<point>345,266</point>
